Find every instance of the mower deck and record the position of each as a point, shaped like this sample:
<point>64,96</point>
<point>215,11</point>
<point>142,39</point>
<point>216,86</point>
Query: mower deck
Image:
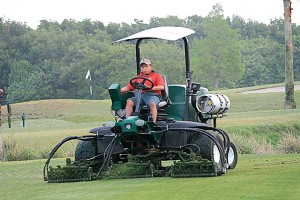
<point>194,166</point>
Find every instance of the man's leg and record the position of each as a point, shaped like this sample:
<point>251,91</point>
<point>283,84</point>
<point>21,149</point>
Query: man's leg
<point>152,101</point>
<point>153,110</point>
<point>129,107</point>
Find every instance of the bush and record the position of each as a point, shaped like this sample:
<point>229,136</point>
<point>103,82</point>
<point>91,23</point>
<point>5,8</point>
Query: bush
<point>250,145</point>
<point>289,143</point>
<point>264,147</point>
<point>19,154</point>
<point>13,151</point>
<point>244,144</point>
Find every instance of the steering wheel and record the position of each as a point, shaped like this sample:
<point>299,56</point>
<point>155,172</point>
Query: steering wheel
<point>139,82</point>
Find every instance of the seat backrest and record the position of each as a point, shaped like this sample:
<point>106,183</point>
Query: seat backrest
<point>165,92</point>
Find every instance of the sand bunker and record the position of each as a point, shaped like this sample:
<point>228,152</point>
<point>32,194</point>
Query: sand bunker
<point>268,90</point>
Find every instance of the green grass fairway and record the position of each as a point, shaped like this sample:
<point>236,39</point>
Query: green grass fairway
<point>255,177</point>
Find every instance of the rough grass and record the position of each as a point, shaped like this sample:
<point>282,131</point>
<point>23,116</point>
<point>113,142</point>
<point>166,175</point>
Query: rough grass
<point>257,102</point>
<point>264,117</point>
<point>72,110</point>
<point>255,177</point>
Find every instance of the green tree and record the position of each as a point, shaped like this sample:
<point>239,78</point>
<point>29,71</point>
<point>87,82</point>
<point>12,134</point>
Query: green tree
<point>277,30</point>
<point>296,43</point>
<point>51,61</point>
<point>27,83</point>
<point>14,45</point>
<point>167,21</point>
<point>217,57</point>
<point>167,58</point>
<point>196,23</point>
<point>238,23</point>
<point>5,60</point>
<point>263,59</point>
<point>112,29</point>
<point>250,28</point>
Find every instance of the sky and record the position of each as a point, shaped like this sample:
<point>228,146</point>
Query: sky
<point>117,11</point>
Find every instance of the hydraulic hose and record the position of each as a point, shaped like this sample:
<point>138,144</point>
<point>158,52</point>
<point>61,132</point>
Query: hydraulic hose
<point>84,137</point>
<point>209,135</point>
<point>222,133</point>
<point>107,155</point>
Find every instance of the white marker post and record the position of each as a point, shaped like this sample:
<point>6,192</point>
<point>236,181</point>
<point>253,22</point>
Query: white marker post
<point>88,76</point>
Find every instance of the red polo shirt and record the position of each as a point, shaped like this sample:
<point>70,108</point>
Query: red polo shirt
<point>153,76</point>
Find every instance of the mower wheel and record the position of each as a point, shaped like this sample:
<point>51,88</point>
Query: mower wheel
<point>232,156</point>
<point>218,137</point>
<point>205,144</point>
<point>85,150</point>
<point>208,150</point>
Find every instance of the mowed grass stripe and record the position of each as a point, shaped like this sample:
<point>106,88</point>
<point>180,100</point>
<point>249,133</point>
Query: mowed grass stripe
<point>255,177</point>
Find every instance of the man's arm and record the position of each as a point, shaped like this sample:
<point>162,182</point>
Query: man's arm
<point>158,88</point>
<point>160,83</point>
<point>125,89</point>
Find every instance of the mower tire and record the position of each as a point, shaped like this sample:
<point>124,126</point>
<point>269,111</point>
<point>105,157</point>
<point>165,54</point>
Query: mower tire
<point>85,150</point>
<point>232,156</point>
<point>209,150</point>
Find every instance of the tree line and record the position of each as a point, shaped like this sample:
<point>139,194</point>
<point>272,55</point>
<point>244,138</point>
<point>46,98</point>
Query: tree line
<point>51,61</point>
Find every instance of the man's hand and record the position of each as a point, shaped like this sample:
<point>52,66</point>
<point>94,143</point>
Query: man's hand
<point>158,88</point>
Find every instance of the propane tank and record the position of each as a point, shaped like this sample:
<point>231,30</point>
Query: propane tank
<point>213,103</point>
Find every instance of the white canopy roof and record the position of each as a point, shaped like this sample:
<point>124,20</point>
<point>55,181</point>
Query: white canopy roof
<point>164,32</point>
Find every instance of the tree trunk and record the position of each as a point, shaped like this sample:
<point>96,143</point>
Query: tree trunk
<point>1,146</point>
<point>289,69</point>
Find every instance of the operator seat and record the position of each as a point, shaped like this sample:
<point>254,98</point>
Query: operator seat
<point>161,113</point>
<point>164,94</point>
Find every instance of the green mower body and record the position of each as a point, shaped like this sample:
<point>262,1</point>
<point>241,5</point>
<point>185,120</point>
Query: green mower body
<point>183,142</point>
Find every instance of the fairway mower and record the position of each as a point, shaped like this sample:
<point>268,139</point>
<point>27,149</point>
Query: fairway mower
<point>183,142</point>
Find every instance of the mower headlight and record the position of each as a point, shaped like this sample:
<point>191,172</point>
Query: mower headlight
<point>121,113</point>
<point>111,124</point>
<point>140,122</point>
<point>213,103</point>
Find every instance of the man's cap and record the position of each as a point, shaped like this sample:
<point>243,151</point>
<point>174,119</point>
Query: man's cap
<point>145,61</point>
